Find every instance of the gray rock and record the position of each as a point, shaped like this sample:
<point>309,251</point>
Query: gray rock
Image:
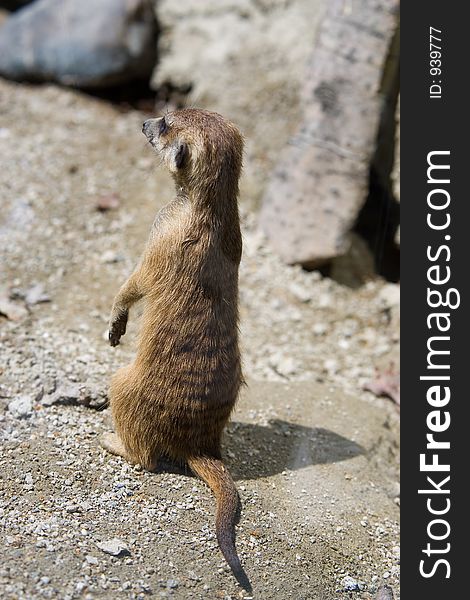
<point>10,309</point>
<point>92,43</point>
<point>21,407</point>
<point>115,547</point>
<point>172,584</point>
<point>36,295</point>
<point>286,366</point>
<point>321,180</point>
<point>390,295</point>
<point>74,393</point>
<point>246,56</point>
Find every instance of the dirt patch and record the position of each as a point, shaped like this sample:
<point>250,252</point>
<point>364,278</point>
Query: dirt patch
<point>315,456</point>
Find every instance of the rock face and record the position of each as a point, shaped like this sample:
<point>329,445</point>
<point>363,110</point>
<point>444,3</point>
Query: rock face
<point>321,179</point>
<point>245,59</point>
<point>91,43</point>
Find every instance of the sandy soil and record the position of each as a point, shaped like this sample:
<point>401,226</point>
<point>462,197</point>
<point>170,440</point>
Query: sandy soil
<point>315,456</point>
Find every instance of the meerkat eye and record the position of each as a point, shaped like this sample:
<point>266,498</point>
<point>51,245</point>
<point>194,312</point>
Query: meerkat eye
<point>163,126</point>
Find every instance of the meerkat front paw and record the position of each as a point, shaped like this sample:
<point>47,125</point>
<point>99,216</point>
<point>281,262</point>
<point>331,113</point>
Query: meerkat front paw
<point>117,327</point>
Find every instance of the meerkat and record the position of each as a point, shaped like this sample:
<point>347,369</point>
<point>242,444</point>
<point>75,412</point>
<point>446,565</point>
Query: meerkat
<point>175,399</point>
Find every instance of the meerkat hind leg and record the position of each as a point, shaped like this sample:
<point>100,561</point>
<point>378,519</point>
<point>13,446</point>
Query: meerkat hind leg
<point>112,443</point>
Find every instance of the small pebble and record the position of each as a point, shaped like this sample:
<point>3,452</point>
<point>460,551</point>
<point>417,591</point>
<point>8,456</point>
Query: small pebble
<point>352,585</point>
<point>115,547</point>
<point>21,407</point>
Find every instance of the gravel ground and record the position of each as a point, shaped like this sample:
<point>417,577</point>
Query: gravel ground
<point>315,456</point>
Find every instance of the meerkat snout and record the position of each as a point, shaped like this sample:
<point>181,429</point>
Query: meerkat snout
<point>153,127</point>
<point>148,127</point>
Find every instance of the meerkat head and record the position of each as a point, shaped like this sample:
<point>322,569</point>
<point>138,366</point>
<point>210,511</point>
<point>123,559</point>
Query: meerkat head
<point>197,146</point>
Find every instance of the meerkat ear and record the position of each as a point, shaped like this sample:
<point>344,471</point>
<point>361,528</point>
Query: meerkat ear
<point>181,155</point>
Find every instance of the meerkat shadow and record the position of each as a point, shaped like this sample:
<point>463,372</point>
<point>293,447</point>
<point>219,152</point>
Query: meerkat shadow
<point>253,451</point>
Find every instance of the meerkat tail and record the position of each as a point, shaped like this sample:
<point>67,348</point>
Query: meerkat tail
<point>216,475</point>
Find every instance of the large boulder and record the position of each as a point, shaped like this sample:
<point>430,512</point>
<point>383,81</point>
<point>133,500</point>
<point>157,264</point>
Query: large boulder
<point>321,180</point>
<point>86,43</point>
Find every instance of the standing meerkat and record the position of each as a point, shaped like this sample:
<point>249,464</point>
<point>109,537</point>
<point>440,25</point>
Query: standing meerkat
<point>177,395</point>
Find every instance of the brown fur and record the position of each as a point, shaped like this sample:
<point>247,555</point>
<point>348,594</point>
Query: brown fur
<point>177,395</point>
